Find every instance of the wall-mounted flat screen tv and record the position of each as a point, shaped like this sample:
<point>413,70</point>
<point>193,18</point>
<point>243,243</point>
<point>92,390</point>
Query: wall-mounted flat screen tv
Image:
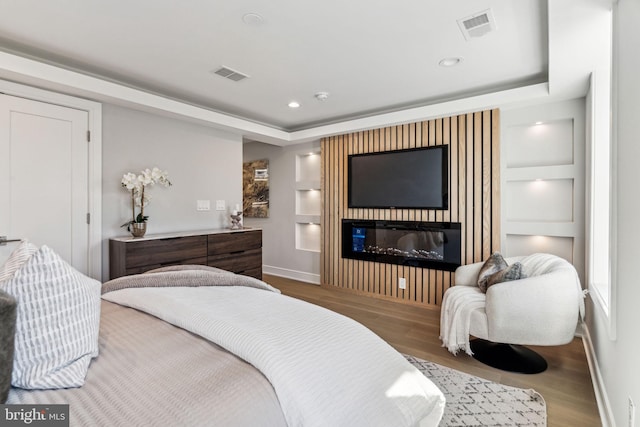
<point>403,179</point>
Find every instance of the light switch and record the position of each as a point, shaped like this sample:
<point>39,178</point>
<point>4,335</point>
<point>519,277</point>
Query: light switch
<point>220,205</point>
<point>203,205</point>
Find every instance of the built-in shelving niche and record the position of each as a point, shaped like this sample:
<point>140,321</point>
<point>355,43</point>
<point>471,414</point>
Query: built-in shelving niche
<point>542,189</point>
<point>308,202</point>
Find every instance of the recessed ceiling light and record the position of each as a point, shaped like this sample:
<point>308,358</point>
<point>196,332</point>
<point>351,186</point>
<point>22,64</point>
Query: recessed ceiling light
<point>294,104</point>
<point>538,123</point>
<point>450,62</point>
<point>252,19</point>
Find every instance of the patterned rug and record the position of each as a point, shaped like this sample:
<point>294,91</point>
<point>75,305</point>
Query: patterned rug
<point>474,401</point>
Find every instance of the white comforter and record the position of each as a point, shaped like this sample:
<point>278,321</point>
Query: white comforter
<point>326,369</point>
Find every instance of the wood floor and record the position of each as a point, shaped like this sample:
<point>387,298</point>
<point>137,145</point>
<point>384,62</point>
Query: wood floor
<point>566,384</point>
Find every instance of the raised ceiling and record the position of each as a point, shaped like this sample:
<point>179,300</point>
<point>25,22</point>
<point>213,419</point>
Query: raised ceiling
<point>371,56</point>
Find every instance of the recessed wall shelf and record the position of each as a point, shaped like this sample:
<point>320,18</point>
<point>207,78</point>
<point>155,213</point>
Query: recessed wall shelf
<point>542,184</point>
<point>308,202</point>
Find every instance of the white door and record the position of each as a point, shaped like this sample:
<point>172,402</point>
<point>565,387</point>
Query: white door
<point>44,177</point>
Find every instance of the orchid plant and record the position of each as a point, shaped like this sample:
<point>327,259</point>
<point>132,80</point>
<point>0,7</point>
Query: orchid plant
<point>137,184</point>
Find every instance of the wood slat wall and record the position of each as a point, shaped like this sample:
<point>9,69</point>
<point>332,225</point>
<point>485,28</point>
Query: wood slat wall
<point>474,179</point>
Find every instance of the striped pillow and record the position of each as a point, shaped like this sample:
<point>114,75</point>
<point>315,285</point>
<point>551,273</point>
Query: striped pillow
<point>57,322</point>
<point>18,257</point>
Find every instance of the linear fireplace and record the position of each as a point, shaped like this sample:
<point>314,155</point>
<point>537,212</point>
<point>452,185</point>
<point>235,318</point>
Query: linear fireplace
<point>434,245</point>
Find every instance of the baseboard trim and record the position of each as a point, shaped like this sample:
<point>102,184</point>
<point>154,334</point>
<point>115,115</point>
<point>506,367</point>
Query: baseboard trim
<point>602,398</point>
<point>291,274</point>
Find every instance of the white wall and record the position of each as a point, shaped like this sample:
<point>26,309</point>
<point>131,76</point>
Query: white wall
<point>280,256</point>
<point>203,164</point>
<point>617,359</point>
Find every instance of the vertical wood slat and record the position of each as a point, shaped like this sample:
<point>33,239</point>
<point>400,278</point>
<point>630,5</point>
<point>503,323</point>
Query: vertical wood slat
<point>352,264</point>
<point>462,184</point>
<point>343,158</point>
<point>473,141</point>
<point>477,185</point>
<point>469,196</point>
<point>323,214</point>
<point>452,139</point>
<point>495,181</point>
<point>486,184</point>
<point>335,200</point>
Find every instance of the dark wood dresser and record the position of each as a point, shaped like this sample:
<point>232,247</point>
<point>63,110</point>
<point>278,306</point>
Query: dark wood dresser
<point>239,251</point>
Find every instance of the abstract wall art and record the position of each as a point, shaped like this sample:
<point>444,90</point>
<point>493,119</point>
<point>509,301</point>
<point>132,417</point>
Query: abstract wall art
<point>255,189</point>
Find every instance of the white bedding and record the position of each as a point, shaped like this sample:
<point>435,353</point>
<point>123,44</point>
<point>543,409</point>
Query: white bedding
<point>151,373</point>
<point>326,369</point>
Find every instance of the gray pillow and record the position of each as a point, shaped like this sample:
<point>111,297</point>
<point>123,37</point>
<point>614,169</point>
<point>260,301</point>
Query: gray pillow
<point>513,272</point>
<point>491,266</point>
<point>7,332</point>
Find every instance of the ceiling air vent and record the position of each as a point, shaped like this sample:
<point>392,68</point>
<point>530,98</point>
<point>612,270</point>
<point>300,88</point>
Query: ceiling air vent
<point>230,74</point>
<point>477,25</point>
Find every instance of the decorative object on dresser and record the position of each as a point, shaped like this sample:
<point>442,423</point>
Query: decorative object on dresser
<point>136,184</point>
<point>236,220</point>
<point>238,251</point>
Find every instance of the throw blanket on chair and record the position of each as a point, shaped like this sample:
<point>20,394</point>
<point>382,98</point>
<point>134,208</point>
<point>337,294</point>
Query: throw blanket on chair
<point>326,369</point>
<point>455,316</point>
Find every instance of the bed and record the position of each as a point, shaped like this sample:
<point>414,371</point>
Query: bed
<point>194,345</point>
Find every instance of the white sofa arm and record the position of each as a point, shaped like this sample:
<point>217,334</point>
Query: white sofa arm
<point>539,310</point>
<point>467,275</point>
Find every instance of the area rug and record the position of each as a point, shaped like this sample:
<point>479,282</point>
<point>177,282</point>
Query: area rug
<point>474,401</point>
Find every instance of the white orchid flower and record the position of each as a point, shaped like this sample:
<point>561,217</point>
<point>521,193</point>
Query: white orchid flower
<point>130,181</point>
<point>161,177</point>
<point>139,196</point>
<point>145,179</point>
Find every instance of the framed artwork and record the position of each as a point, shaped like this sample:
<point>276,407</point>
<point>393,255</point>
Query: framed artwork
<point>255,189</point>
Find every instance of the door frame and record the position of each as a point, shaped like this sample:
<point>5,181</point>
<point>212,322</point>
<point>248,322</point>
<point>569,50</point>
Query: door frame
<point>94,110</point>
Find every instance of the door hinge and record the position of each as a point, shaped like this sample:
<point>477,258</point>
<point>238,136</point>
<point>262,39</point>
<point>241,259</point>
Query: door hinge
<point>88,136</point>
<point>88,218</point>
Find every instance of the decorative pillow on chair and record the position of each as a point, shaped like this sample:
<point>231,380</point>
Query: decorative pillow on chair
<point>513,272</point>
<point>57,323</point>
<point>7,332</point>
<point>491,266</point>
<point>18,257</point>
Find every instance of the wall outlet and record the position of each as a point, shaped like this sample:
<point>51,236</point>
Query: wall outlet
<point>632,413</point>
<point>402,283</point>
<point>221,205</point>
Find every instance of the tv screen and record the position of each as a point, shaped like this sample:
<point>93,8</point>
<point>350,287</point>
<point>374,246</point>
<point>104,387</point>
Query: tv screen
<point>411,179</point>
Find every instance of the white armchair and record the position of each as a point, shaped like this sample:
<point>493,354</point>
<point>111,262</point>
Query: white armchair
<point>542,309</point>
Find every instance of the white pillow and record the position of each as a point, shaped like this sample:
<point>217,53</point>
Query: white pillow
<point>18,257</point>
<point>57,322</point>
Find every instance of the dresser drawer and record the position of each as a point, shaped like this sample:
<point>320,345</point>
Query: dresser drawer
<point>234,242</point>
<point>142,269</point>
<point>239,262</point>
<point>160,252</point>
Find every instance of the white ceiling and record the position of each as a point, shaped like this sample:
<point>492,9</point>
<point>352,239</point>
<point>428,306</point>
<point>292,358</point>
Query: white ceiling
<point>372,56</point>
